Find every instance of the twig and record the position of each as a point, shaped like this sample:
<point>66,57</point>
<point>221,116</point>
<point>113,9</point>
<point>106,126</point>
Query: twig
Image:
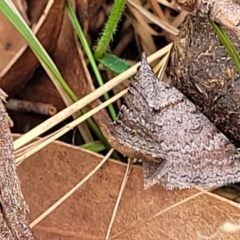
<point>124,182</point>
<point>28,106</point>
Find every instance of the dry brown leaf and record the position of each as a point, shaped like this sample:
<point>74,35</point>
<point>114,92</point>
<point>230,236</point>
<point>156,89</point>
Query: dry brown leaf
<point>35,10</point>
<point>10,43</point>
<point>70,61</point>
<point>142,214</point>
<point>82,9</point>
<point>24,63</point>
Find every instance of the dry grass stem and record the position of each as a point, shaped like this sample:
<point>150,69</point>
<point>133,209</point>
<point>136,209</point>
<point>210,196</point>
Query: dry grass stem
<point>157,10</point>
<point>163,66</point>
<point>66,128</point>
<point>158,213</point>
<point>68,194</point>
<point>166,3</point>
<point>25,149</point>
<point>43,127</point>
<point>164,25</point>
<point>124,182</point>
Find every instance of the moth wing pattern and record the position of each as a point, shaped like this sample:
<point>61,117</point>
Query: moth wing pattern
<point>179,146</point>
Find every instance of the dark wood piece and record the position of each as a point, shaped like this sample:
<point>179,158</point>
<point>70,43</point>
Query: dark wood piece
<point>202,70</point>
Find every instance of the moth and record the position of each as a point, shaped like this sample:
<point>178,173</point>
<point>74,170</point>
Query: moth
<point>178,145</point>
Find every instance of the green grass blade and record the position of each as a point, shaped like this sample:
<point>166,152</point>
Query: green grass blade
<point>96,146</point>
<point>33,43</point>
<point>227,44</point>
<point>114,63</point>
<point>41,53</point>
<point>89,54</point>
<point>109,28</point>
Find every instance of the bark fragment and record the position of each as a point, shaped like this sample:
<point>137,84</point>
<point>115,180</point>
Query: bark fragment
<point>13,223</point>
<point>225,12</point>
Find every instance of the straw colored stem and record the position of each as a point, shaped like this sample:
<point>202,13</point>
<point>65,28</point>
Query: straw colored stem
<point>43,127</point>
<point>68,194</point>
<point>68,127</point>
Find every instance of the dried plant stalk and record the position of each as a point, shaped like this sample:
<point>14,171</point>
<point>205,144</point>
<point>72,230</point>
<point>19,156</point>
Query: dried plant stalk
<point>13,223</point>
<point>29,106</point>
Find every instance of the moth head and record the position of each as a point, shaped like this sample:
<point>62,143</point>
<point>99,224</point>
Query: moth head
<point>144,67</point>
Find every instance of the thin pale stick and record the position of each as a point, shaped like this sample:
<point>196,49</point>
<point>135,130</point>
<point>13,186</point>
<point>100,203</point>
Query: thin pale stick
<point>43,127</point>
<point>22,151</point>
<point>68,194</point>
<point>158,213</point>
<point>164,65</point>
<point>164,25</point>
<point>166,3</point>
<point>124,182</point>
<point>83,129</point>
<point>67,128</point>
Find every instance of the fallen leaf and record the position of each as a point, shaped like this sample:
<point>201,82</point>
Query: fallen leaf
<point>9,43</point>
<point>142,214</point>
